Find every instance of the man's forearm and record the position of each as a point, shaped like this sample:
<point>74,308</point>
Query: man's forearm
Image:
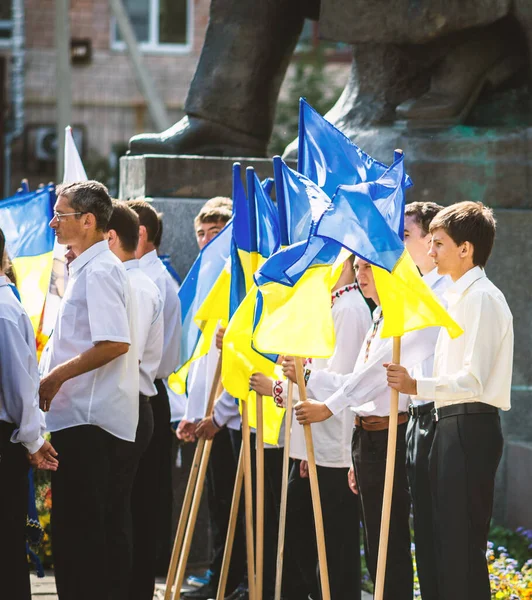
<point>94,358</point>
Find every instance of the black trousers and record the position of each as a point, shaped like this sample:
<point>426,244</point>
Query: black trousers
<point>142,578</point>
<point>419,437</point>
<point>152,498</point>
<point>463,462</point>
<point>221,475</point>
<point>91,516</point>
<point>341,522</point>
<point>14,466</point>
<point>369,459</point>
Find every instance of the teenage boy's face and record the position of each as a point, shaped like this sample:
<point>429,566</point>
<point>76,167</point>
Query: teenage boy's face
<point>205,232</point>
<point>445,253</point>
<point>416,242</point>
<point>365,279</point>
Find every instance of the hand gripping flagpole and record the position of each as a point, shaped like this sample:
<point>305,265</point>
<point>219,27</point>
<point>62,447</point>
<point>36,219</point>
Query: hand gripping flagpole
<point>315,490</point>
<point>191,502</point>
<point>259,455</point>
<point>284,493</point>
<point>233,518</point>
<point>388,479</point>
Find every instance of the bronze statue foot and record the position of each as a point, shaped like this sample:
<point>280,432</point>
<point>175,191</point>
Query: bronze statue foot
<point>462,76</point>
<point>196,136</point>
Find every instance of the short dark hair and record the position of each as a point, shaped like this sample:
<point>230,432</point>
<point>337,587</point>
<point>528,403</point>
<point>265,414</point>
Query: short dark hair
<point>158,238</point>
<point>471,222</point>
<point>125,222</point>
<point>89,197</point>
<point>147,217</point>
<point>423,213</point>
<point>216,210</point>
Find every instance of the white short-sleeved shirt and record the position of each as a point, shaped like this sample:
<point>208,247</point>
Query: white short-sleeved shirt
<point>96,307</point>
<point>168,288</point>
<point>150,325</point>
<point>19,378</point>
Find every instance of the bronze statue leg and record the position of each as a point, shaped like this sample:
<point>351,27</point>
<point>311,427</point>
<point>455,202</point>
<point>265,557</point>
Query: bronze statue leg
<point>231,102</point>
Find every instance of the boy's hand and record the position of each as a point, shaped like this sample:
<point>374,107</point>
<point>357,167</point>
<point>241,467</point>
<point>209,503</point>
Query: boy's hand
<point>289,368</point>
<point>311,412</point>
<point>400,380</point>
<point>261,384</point>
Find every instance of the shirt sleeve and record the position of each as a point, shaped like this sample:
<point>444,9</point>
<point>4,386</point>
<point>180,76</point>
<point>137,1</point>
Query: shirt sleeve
<point>484,331</point>
<point>225,409</point>
<point>368,382</point>
<point>107,306</point>
<point>19,386</point>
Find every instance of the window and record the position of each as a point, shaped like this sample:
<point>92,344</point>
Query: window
<point>159,25</point>
<point>5,23</point>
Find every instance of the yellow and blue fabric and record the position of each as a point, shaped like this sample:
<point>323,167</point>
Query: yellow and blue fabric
<point>295,283</point>
<point>24,220</point>
<point>366,220</point>
<point>204,297</point>
<point>255,237</point>
<point>327,157</point>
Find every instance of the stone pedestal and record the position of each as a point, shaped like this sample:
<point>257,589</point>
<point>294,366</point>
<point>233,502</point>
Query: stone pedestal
<point>463,163</point>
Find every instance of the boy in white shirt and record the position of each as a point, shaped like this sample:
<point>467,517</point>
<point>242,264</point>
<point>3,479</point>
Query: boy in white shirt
<point>471,382</point>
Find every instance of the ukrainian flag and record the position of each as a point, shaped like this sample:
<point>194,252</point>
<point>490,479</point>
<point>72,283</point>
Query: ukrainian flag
<point>24,220</point>
<point>255,236</point>
<point>329,158</point>
<point>367,219</point>
<point>204,297</point>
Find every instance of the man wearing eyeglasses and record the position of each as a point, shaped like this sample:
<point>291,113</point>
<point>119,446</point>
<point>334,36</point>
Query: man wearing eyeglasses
<point>90,392</point>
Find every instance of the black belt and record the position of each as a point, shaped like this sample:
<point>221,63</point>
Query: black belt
<point>143,398</point>
<point>467,408</point>
<point>420,409</point>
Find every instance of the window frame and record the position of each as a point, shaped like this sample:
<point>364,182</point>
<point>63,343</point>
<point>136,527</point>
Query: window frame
<point>152,47</point>
<point>6,25</point>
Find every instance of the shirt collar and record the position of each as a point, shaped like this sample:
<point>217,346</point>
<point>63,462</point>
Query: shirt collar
<point>432,277</point>
<point>456,290</point>
<point>3,281</point>
<point>131,264</point>
<point>78,263</point>
<point>149,258</point>
<point>377,314</point>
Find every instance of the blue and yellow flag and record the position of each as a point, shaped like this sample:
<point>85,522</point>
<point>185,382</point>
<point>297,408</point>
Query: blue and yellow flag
<point>204,299</point>
<point>366,220</point>
<point>24,220</point>
<point>329,158</point>
<point>255,237</point>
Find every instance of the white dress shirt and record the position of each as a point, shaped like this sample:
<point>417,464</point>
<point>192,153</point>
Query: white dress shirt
<point>476,366</point>
<point>96,307</point>
<point>332,438</point>
<point>150,325</point>
<point>168,288</point>
<point>438,284</point>
<point>19,378</point>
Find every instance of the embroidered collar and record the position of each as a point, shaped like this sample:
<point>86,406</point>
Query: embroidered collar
<point>339,292</point>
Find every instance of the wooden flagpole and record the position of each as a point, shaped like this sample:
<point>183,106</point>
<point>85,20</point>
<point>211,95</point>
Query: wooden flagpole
<point>284,493</point>
<point>259,455</point>
<point>315,490</point>
<point>233,518</point>
<point>388,480</point>
<point>192,496</point>
<point>248,497</point>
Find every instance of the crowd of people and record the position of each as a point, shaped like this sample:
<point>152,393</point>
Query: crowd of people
<point>100,391</point>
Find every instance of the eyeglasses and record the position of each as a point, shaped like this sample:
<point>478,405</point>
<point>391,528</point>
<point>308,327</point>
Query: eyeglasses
<point>59,216</point>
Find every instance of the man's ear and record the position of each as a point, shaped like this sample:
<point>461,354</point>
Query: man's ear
<point>143,234</point>
<point>112,238</point>
<point>89,221</point>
